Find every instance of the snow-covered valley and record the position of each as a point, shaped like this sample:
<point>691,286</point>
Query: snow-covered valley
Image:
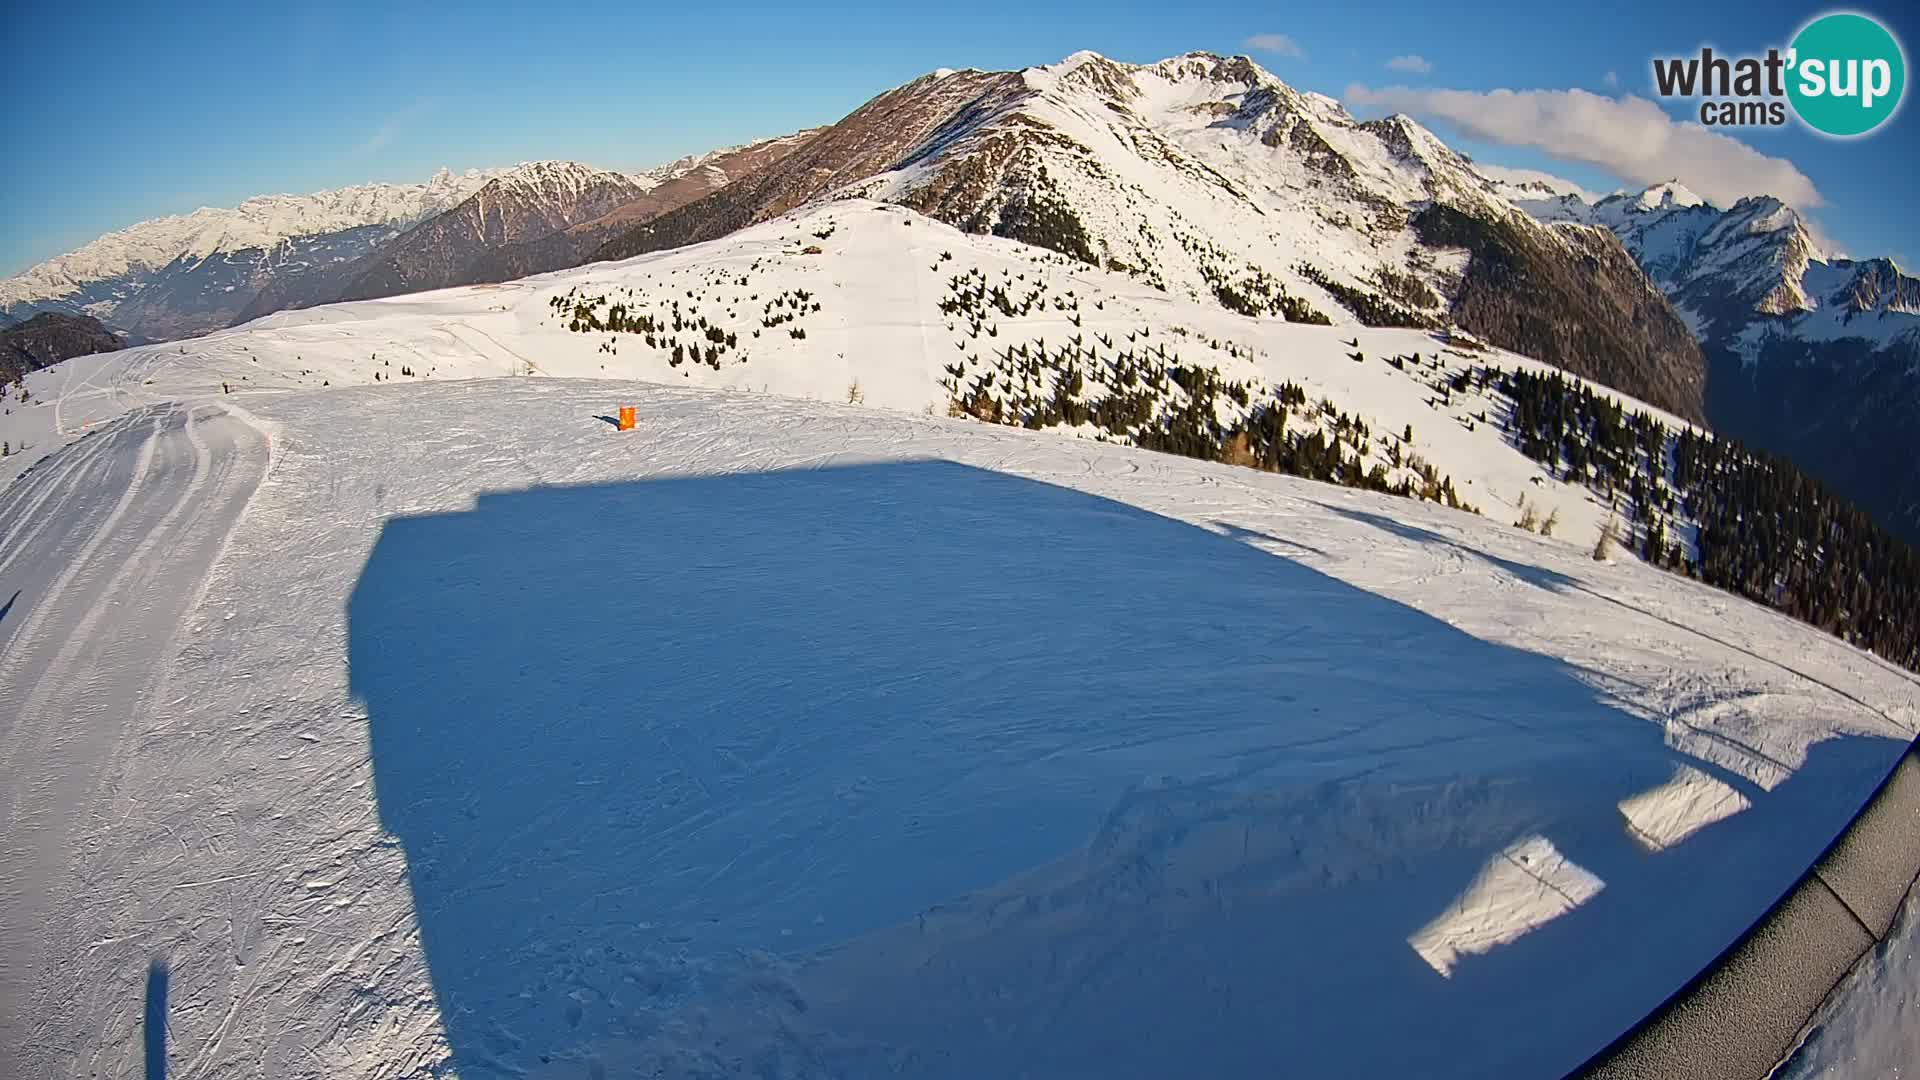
<point>419,722</point>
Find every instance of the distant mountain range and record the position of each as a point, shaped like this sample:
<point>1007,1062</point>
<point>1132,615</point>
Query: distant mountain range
<point>1202,175</point>
<point>186,275</point>
<point>1810,356</point>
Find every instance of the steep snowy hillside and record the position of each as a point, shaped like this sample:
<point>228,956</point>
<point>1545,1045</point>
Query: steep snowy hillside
<point>1208,178</point>
<point>441,729</point>
<point>1810,356</point>
<point>190,273</point>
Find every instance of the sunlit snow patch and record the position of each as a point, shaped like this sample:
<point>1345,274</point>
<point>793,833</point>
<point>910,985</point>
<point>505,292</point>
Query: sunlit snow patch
<point>1729,746</point>
<point>1526,885</point>
<point>1661,817</point>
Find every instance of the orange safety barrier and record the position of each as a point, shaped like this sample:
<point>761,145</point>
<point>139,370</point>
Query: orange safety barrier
<point>628,417</point>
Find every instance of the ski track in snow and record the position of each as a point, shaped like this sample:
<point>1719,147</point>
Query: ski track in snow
<point>101,589</point>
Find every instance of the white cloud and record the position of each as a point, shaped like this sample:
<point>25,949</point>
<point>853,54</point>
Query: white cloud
<point>1277,44</point>
<point>1630,137</point>
<point>1412,62</point>
<point>1824,241</point>
<point>393,126</point>
<point>1560,184</point>
<point>1612,79</point>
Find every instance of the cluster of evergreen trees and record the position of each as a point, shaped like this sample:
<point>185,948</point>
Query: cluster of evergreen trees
<point>1369,308</point>
<point>1131,387</point>
<point>1760,528</point>
<point>1259,293</point>
<point>973,295</point>
<point>706,342</point>
<point>1040,215</point>
<point>1253,291</point>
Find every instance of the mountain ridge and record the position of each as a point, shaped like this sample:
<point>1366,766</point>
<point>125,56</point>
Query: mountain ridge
<point>184,275</point>
<point>1809,355</point>
<point>546,218</point>
<point>258,222</point>
<point>48,338</point>
<point>1209,177</point>
<point>529,201</point>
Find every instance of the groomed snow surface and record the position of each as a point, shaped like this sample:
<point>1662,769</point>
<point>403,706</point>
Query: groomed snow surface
<point>790,736</point>
<point>438,728</point>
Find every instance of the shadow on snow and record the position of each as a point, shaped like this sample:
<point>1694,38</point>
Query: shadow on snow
<point>153,1022</point>
<point>926,768</point>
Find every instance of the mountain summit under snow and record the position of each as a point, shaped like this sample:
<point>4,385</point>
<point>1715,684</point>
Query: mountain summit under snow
<point>1666,196</point>
<point>1207,177</point>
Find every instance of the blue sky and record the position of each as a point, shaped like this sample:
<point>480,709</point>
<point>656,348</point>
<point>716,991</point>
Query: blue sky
<point>120,112</point>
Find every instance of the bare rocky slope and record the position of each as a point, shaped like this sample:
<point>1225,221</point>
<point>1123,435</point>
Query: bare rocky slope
<point>532,201</point>
<point>48,338</point>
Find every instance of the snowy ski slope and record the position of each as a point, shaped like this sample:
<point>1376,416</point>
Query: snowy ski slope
<point>441,729</point>
<point>878,280</point>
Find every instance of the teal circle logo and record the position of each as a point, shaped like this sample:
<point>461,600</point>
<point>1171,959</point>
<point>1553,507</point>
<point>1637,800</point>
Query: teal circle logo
<point>1848,74</point>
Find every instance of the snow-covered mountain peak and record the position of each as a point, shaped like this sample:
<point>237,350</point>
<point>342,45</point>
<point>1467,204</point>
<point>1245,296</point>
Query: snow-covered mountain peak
<point>1747,275</point>
<point>1194,81</point>
<point>1077,60</point>
<point>561,180</point>
<point>1086,71</point>
<point>1204,176</point>
<point>1666,196</point>
<point>1766,214</point>
<point>1875,286</point>
<point>1214,68</point>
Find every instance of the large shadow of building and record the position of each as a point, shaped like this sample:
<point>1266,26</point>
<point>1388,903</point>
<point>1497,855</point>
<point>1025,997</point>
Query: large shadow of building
<point>917,767</point>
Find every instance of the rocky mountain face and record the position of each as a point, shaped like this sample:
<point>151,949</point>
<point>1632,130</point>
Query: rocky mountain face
<point>679,183</point>
<point>537,217</point>
<point>191,273</point>
<point>1813,357</point>
<point>1206,176</point>
<point>531,201</point>
<point>48,338</point>
<point>874,138</point>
